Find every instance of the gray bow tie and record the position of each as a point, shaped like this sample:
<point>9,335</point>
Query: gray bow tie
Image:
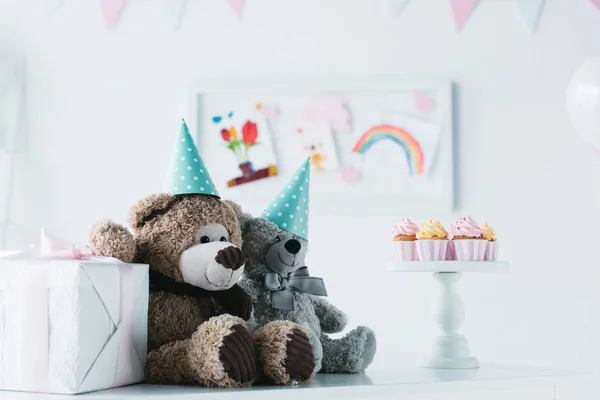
<point>299,280</point>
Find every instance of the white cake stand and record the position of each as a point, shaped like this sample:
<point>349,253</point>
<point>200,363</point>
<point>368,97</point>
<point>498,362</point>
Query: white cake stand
<point>451,350</point>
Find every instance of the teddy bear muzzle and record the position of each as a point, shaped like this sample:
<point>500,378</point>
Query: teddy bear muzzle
<point>212,266</point>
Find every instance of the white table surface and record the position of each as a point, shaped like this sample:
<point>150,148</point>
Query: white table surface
<point>449,266</point>
<point>370,384</point>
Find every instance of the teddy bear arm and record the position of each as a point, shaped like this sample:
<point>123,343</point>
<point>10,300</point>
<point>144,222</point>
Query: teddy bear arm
<point>109,239</point>
<point>331,318</point>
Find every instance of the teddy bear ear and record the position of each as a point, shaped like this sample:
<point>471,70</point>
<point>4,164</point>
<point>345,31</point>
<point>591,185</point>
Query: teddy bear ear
<point>237,209</point>
<point>144,209</point>
<point>245,218</point>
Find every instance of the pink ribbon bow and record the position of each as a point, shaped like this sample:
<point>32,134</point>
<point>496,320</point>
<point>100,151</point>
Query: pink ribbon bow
<point>52,246</point>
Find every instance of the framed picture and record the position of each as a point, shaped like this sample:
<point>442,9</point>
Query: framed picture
<point>377,144</point>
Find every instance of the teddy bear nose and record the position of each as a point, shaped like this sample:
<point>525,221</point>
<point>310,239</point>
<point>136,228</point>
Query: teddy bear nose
<point>231,258</point>
<point>293,246</point>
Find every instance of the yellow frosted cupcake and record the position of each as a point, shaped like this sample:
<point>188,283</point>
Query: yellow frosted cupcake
<point>488,232</point>
<point>491,252</point>
<point>432,241</point>
<point>432,230</point>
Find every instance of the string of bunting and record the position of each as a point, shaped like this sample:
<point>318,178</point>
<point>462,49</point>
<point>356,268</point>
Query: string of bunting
<point>112,10</point>
<point>462,10</point>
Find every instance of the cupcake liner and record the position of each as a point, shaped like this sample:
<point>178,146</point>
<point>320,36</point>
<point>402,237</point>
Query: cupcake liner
<point>432,250</point>
<point>491,251</point>
<point>404,251</point>
<point>470,250</point>
<point>451,251</point>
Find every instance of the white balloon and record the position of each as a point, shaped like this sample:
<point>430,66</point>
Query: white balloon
<point>583,101</point>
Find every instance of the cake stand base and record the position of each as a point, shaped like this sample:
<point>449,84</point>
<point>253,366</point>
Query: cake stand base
<point>450,350</point>
<point>450,363</point>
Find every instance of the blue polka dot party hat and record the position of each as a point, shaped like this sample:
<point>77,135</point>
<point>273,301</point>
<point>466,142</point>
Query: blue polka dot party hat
<point>289,209</point>
<point>187,172</point>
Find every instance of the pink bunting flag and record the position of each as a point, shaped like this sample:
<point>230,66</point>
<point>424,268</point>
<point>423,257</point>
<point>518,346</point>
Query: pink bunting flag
<point>112,10</point>
<point>462,10</point>
<point>596,3</point>
<point>238,6</point>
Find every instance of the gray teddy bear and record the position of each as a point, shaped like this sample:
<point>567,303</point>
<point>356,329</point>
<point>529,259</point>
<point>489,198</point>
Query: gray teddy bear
<point>277,279</point>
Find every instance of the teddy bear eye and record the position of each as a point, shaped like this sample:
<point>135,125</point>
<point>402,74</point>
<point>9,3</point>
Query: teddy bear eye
<point>204,239</point>
<point>223,239</point>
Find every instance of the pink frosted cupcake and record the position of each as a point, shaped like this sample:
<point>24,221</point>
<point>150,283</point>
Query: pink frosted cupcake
<point>432,241</point>
<point>467,240</point>
<point>403,241</point>
<point>491,252</point>
<point>451,251</point>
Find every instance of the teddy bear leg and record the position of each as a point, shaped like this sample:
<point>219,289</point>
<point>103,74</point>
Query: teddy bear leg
<point>109,239</point>
<point>317,348</point>
<point>285,355</point>
<point>220,353</point>
<point>352,353</point>
<point>168,365</point>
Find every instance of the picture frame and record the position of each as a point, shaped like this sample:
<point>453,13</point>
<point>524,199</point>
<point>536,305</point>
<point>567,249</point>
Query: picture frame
<point>328,193</point>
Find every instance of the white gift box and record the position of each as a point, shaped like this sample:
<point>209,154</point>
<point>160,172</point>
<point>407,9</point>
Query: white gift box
<point>72,326</point>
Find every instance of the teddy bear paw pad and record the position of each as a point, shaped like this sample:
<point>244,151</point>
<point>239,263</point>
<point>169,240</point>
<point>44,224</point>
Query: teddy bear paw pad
<point>299,363</point>
<point>237,355</point>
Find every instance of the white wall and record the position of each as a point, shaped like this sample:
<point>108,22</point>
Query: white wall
<point>105,105</point>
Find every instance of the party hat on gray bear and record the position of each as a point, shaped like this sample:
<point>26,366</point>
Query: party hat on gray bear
<point>187,173</point>
<point>289,209</point>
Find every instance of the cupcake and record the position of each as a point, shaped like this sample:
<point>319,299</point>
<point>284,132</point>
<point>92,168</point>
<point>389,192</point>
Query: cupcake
<point>432,241</point>
<point>467,240</point>
<point>405,231</point>
<point>403,240</point>
<point>491,252</point>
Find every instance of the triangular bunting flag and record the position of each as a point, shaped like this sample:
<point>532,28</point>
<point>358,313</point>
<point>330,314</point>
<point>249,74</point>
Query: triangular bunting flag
<point>462,10</point>
<point>174,10</point>
<point>188,174</point>
<point>531,10</point>
<point>51,7</point>
<point>289,209</point>
<point>397,6</point>
<point>238,6</point>
<point>112,10</point>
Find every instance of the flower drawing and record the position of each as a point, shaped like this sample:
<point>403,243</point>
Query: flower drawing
<point>240,146</point>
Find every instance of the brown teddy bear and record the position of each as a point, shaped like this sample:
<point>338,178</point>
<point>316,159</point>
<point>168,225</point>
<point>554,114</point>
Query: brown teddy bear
<point>197,331</point>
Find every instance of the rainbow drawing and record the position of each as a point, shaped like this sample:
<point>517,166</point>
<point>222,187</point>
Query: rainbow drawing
<point>414,153</point>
